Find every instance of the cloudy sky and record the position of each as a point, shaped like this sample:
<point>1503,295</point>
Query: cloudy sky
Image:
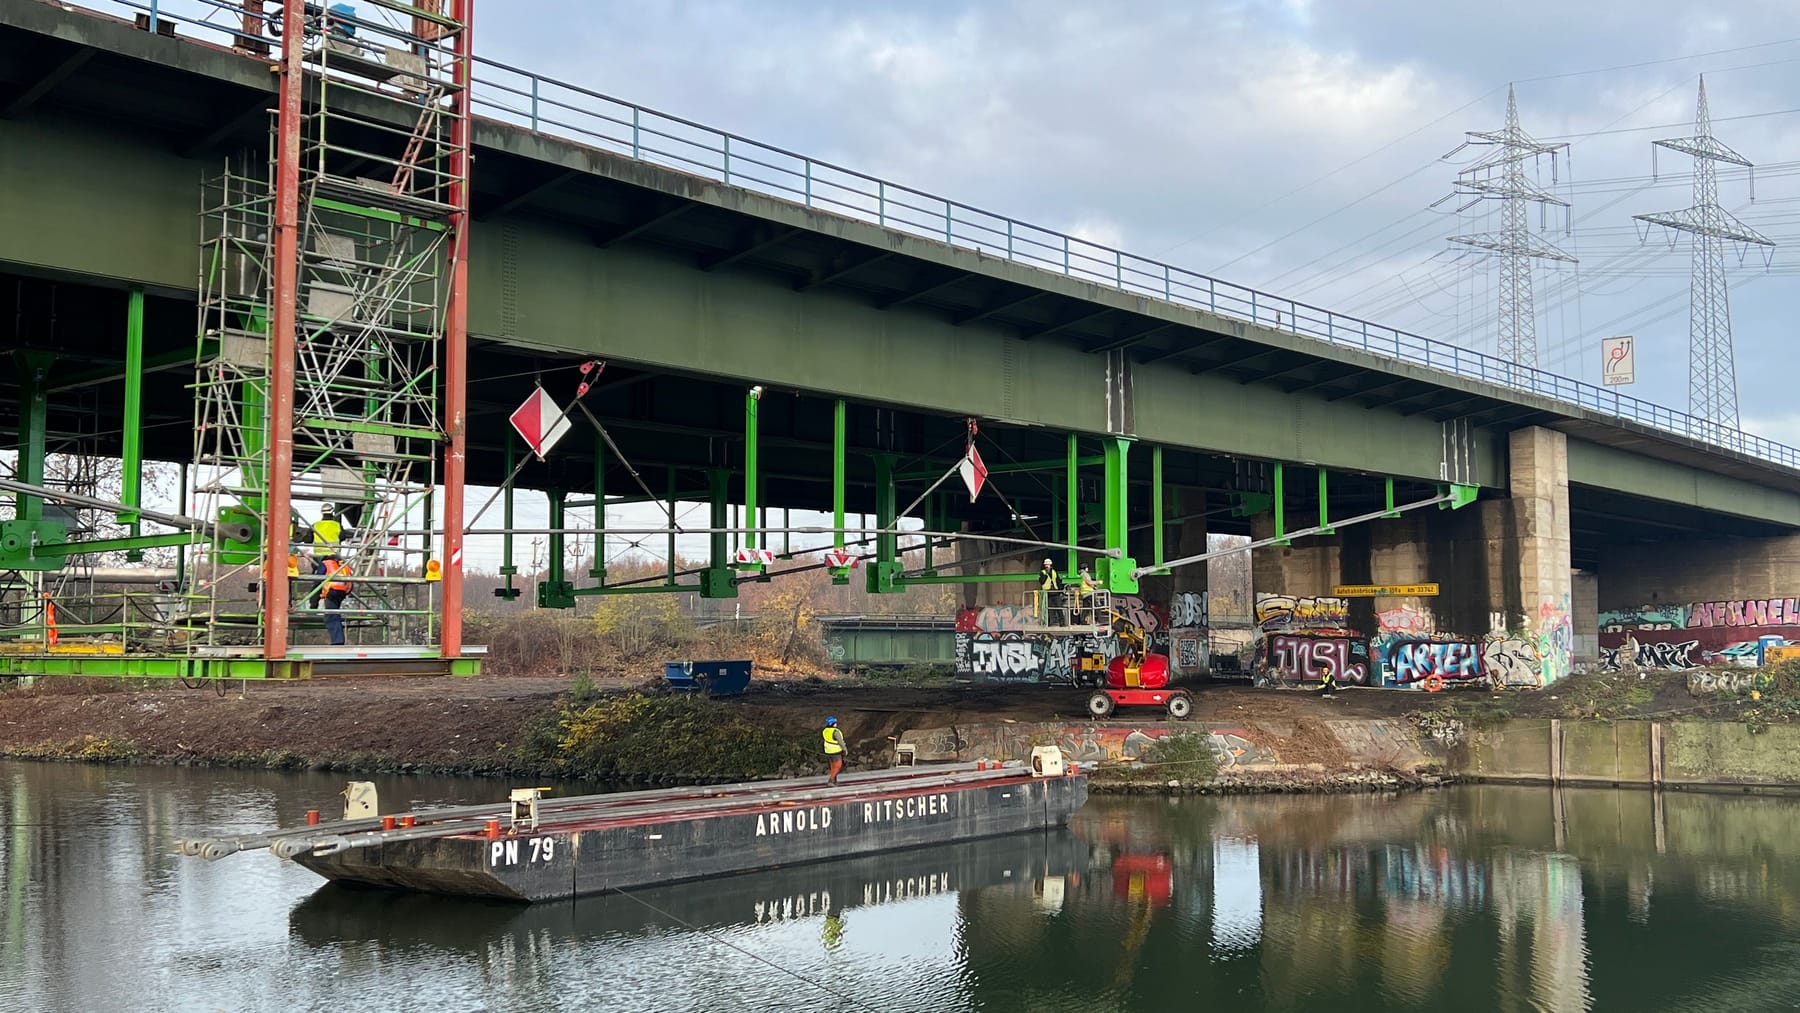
<point>1292,145</point>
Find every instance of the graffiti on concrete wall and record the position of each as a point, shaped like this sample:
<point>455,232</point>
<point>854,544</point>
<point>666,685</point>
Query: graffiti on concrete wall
<point>1703,680</point>
<point>1512,659</point>
<point>1404,620</point>
<point>1555,640</point>
<point>1697,634</point>
<point>1411,661</point>
<point>1678,653</point>
<point>1280,613</point>
<point>1287,659</point>
<point>1231,745</point>
<point>1188,610</point>
<point>999,643</point>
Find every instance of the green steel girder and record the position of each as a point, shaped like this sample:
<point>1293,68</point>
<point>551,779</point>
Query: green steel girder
<point>1115,574</point>
<point>134,666</point>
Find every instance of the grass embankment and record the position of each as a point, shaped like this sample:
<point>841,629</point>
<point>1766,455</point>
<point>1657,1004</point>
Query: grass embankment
<point>638,738</point>
<point>1756,697</point>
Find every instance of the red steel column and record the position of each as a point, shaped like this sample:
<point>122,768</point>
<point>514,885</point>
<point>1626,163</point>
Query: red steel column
<point>456,339</point>
<point>282,325</point>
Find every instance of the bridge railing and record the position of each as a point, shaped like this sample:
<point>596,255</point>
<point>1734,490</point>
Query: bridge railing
<point>570,112</point>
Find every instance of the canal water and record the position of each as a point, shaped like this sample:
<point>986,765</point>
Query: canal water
<point>1475,898</point>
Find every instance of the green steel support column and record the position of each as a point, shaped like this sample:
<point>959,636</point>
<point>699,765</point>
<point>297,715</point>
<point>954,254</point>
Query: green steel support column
<point>1324,524</point>
<point>181,498</point>
<point>837,475</point>
<point>1156,505</point>
<point>932,513</point>
<point>1074,507</point>
<point>716,580</point>
<point>598,570</point>
<point>1115,574</point>
<point>131,424</point>
<point>1280,523</point>
<point>1056,513</point>
<point>750,474</point>
<point>787,527</point>
<point>34,417</point>
<point>672,498</point>
<point>507,569</point>
<point>884,573</point>
<point>1391,512</point>
<point>556,591</point>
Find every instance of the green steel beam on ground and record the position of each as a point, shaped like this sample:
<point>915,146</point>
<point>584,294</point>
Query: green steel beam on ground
<point>1072,535</point>
<point>131,422</point>
<point>1115,574</point>
<point>130,666</point>
<point>1324,523</point>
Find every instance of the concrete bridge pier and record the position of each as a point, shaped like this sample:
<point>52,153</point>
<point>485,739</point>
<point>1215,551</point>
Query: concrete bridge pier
<point>1506,603</point>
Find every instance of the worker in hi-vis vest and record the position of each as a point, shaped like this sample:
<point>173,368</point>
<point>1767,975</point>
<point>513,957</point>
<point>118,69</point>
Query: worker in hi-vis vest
<point>333,592</point>
<point>327,536</point>
<point>834,750</point>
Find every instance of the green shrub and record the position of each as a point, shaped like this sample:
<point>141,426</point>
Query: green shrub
<point>1186,757</point>
<point>636,737</point>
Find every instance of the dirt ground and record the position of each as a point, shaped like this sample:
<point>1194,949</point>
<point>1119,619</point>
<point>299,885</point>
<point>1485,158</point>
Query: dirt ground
<point>468,724</point>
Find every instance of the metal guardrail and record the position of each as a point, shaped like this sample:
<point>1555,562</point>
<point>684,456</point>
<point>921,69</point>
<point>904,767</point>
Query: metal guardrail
<point>569,112</point>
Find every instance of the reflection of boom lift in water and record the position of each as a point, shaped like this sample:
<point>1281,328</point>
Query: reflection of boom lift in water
<point>1134,677</point>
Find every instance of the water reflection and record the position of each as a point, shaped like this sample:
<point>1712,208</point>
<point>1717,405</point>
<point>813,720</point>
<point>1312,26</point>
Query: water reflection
<point>1479,898</point>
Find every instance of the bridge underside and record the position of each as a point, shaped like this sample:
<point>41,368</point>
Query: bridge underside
<point>692,292</point>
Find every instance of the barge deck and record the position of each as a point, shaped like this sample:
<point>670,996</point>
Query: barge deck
<point>536,848</point>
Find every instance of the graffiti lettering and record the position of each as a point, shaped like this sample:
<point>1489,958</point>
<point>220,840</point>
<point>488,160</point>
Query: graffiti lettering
<point>1404,619</point>
<point>1011,658</point>
<point>1411,662</point>
<point>995,619</point>
<point>1748,612</point>
<point>1512,661</point>
<point>1287,660</point>
<point>1142,614</point>
<point>1667,654</point>
<point>1707,681</point>
<point>1279,613</point>
<point>1188,609</point>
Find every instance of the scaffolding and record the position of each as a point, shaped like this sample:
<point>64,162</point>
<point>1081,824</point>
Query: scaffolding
<point>330,360</point>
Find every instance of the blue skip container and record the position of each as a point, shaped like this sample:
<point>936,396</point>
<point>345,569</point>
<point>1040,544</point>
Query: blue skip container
<point>714,678</point>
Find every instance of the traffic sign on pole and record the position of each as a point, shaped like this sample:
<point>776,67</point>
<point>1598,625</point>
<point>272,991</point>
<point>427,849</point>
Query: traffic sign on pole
<point>540,422</point>
<point>838,559</point>
<point>762,556</point>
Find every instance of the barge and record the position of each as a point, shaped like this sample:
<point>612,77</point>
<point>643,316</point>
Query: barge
<point>534,848</point>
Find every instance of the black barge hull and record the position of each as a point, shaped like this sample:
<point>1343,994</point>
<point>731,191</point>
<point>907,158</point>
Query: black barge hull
<point>692,836</point>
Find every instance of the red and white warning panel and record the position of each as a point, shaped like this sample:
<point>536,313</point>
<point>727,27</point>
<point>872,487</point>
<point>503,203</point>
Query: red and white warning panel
<point>841,560</point>
<point>541,422</point>
<point>762,556</point>
<point>974,473</point>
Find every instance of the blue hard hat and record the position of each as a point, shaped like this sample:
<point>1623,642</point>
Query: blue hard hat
<point>831,721</point>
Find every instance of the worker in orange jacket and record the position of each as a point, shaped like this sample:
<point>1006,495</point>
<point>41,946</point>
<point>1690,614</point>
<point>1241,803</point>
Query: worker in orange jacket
<point>333,592</point>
